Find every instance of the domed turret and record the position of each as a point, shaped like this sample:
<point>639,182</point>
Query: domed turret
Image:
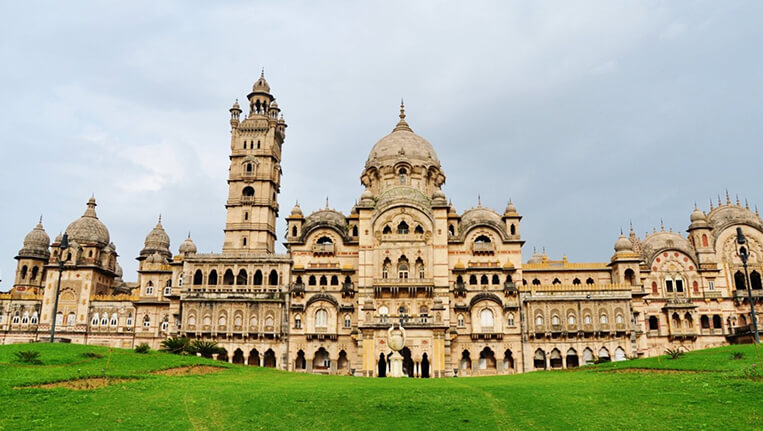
<point>157,241</point>
<point>88,230</point>
<point>261,85</point>
<point>187,247</point>
<point>623,245</point>
<point>510,209</point>
<point>36,243</point>
<point>296,212</point>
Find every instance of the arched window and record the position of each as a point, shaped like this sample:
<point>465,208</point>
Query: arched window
<point>324,240</point>
<point>228,278</point>
<point>298,322</point>
<point>150,288</point>
<point>165,325</point>
<point>483,279</point>
<point>246,215</point>
<point>603,319</point>
<point>403,175</point>
<point>146,321</point>
<point>294,231</point>
<point>419,230</point>
<point>273,278</point>
<point>587,319</point>
<point>33,321</point>
<point>629,276</point>
<point>114,319</point>
<point>654,323</point>
<point>704,240</point>
<point>383,311</point>
<point>253,322</point>
<point>105,319</point>
<point>668,284</point>
<point>168,288</point>
<point>679,284</point>
<point>402,268</point>
<point>385,268</point>
<point>222,320</point>
<point>556,282</point>
<point>128,323</point>
<point>402,228</point>
<point>35,270</point>
<point>347,321</point>
<point>387,230</point>
<point>248,168</point>
<point>243,278</point>
<point>191,320</point>
<point>576,282</point>
<point>486,318</point>
<point>180,279</point>
<point>739,281</point>
<point>24,270</point>
<point>323,280</point>
<point>539,320</point>
<point>704,322</point>
<point>451,230</point>
<point>198,278</point>
<point>311,281</point>
<point>496,279</point>
<point>571,319</point>
<point>755,282</point>
<point>555,320</point>
<point>257,278</point>
<point>420,267</point>
<point>473,280</point>
<point>213,278</point>
<point>334,280</point>
<point>16,318</point>
<point>536,282</point>
<point>619,319</point>
<point>510,319</point>
<point>243,241</point>
<point>354,231</point>
<point>94,321</point>
<point>460,320</point>
<point>248,192</point>
<point>589,281</point>
<point>321,318</point>
<point>513,229</point>
<point>717,322</point>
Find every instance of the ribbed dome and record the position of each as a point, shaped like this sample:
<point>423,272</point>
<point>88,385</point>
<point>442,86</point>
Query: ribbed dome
<point>402,143</point>
<point>157,241</point>
<point>187,247</point>
<point>88,230</point>
<point>36,243</point>
<point>697,215</point>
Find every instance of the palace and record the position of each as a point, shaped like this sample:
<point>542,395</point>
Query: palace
<point>456,281</point>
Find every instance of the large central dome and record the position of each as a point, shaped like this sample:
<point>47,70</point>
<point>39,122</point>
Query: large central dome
<point>402,143</point>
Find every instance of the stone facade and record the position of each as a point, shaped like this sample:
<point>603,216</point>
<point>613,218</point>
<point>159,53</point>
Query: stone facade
<point>457,282</point>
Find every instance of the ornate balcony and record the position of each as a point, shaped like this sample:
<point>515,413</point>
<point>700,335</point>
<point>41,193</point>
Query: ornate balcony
<point>323,249</point>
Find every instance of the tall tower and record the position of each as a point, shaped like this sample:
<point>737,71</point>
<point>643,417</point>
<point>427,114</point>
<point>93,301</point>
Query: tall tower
<point>254,176</point>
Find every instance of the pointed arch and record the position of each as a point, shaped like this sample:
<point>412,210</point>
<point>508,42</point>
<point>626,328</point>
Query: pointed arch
<point>273,278</point>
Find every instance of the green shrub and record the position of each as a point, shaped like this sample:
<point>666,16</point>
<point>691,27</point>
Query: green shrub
<point>28,357</point>
<point>142,348</point>
<point>176,345</point>
<point>206,348</point>
<point>674,352</point>
<point>737,355</point>
<point>752,372</point>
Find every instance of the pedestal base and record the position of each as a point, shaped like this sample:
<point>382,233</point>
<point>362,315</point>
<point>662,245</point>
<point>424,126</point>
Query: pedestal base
<point>396,365</point>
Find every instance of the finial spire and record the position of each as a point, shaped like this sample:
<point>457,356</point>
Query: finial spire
<point>728,199</point>
<point>621,231</point>
<point>327,202</point>
<point>756,211</point>
<point>746,204</point>
<point>479,201</point>
<point>630,223</point>
<point>402,125</point>
<point>711,204</point>
<point>40,219</point>
<point>262,73</point>
<point>737,196</point>
<point>160,218</point>
<point>662,226</point>
<point>189,234</point>
<point>719,200</point>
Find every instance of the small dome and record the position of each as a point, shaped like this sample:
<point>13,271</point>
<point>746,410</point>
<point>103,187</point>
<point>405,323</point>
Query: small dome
<point>510,208</point>
<point>623,244</point>
<point>273,105</point>
<point>157,241</point>
<point>236,105</point>
<point>261,85</point>
<point>36,242</point>
<point>296,211</point>
<point>481,214</point>
<point>697,215</point>
<point>187,247</point>
<point>439,194</point>
<point>367,194</point>
<point>536,258</point>
<point>88,230</point>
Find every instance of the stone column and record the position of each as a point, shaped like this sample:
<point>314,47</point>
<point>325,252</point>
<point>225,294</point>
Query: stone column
<point>262,359</point>
<point>332,367</point>
<point>548,363</point>
<point>246,359</point>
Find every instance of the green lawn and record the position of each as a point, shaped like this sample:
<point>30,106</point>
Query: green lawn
<point>253,398</point>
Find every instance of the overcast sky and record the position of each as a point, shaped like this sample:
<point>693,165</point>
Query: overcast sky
<point>586,114</point>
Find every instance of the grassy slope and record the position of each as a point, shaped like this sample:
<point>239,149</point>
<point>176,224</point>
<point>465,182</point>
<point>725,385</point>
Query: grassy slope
<point>254,398</point>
